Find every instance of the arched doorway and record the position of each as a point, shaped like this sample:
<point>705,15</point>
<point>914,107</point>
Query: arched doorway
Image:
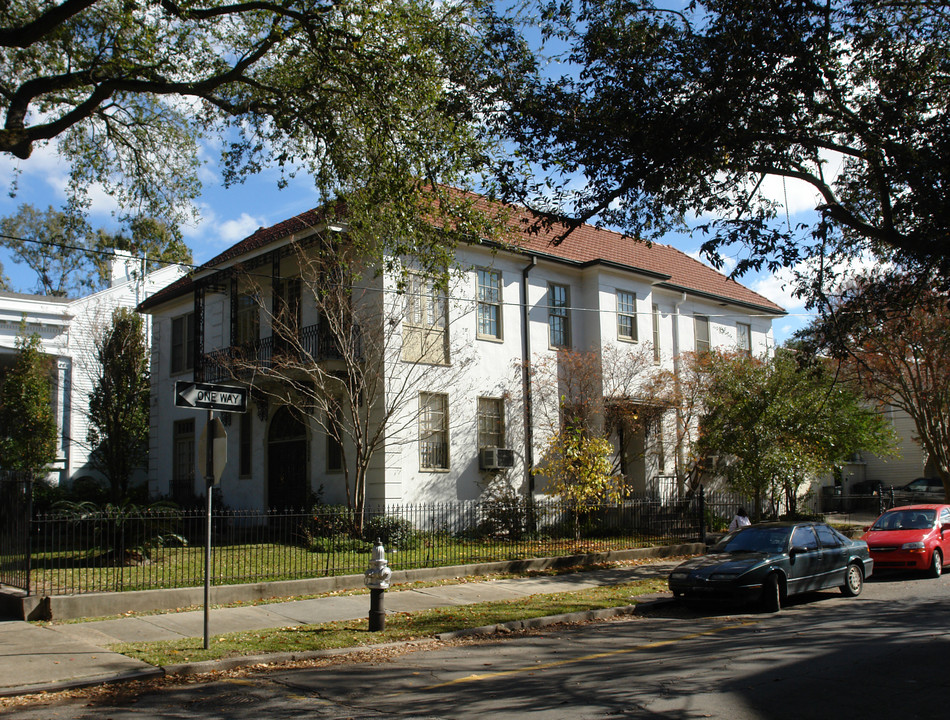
<point>287,476</point>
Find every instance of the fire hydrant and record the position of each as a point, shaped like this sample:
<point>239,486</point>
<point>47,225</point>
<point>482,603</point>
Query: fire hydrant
<point>376,578</point>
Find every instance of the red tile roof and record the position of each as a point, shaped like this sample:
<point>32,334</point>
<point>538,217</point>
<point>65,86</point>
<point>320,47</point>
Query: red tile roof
<point>585,245</point>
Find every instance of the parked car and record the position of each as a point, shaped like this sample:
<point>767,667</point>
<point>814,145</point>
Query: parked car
<point>920,490</point>
<point>912,537</point>
<point>771,561</point>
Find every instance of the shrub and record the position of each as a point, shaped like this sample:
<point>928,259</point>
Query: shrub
<point>393,532</point>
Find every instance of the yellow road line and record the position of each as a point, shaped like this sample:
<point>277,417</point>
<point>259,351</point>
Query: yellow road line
<point>583,658</point>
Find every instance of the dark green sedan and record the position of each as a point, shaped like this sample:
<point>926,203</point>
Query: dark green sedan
<point>770,561</point>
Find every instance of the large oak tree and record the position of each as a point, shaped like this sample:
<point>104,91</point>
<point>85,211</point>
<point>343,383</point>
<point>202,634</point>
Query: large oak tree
<point>348,90</point>
<point>645,116</point>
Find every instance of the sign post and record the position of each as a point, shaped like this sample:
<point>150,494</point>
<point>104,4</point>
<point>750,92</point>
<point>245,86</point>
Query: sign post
<point>214,446</point>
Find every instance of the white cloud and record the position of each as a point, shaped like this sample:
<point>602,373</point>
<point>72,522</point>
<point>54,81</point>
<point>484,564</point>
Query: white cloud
<point>231,231</point>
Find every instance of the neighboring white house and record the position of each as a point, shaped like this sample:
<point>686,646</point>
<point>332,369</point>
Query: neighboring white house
<point>67,329</point>
<point>528,300</point>
<point>910,462</point>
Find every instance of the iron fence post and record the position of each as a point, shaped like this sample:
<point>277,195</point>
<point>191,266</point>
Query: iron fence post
<point>702,514</point>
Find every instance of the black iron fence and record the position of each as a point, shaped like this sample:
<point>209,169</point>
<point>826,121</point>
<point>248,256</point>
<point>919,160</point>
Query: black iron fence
<point>94,550</point>
<point>16,492</point>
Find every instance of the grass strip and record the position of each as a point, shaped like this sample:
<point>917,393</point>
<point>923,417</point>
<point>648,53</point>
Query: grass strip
<point>399,626</point>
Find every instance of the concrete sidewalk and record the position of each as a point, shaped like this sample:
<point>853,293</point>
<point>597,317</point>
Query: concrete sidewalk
<point>53,657</point>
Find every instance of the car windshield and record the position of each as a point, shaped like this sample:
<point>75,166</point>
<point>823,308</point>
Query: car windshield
<point>755,539</point>
<point>906,520</point>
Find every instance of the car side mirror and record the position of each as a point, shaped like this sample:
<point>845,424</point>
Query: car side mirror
<point>944,527</point>
<point>797,549</point>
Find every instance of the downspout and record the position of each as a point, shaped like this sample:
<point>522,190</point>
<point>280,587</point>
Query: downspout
<point>680,423</point>
<point>526,380</point>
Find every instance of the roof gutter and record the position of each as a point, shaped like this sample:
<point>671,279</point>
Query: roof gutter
<point>526,379</point>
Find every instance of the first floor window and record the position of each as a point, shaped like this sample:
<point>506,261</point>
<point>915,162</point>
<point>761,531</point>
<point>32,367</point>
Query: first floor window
<point>183,460</point>
<point>334,444</point>
<point>434,431</point>
<point>491,422</point>
<point>244,453</point>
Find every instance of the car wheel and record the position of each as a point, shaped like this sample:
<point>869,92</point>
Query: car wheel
<point>853,580</point>
<point>772,593</point>
<point>936,565</point>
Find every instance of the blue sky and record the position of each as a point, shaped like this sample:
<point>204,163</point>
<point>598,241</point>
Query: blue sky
<point>228,215</point>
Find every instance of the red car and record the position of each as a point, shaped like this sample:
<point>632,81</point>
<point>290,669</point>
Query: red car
<point>912,537</point>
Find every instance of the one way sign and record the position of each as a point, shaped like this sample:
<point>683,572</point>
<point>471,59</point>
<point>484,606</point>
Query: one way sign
<point>210,397</point>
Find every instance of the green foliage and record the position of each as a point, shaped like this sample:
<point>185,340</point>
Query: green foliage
<point>396,533</point>
<point>154,240</point>
<point>578,469</point>
<point>774,424</point>
<point>54,245</point>
<point>343,89</point>
<point>119,402</point>
<point>124,532</point>
<point>644,114</point>
<point>27,424</point>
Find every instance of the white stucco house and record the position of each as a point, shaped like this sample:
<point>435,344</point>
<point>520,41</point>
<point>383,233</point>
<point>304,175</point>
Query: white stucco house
<point>67,329</point>
<point>463,358</point>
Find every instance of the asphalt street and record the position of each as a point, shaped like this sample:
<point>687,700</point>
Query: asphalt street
<point>881,655</point>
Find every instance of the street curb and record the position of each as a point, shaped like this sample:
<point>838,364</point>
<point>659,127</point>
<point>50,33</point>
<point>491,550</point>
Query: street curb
<point>206,667</point>
<point>130,676</point>
<point>209,666</point>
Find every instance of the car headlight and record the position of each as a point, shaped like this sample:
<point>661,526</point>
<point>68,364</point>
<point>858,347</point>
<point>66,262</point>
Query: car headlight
<point>912,546</point>
<point>679,574</point>
<point>720,576</point>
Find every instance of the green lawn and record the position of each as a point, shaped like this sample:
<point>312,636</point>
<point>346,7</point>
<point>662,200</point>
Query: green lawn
<point>171,567</point>
<point>399,626</point>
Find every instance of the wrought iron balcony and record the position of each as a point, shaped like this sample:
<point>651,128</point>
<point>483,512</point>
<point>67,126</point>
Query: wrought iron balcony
<point>240,361</point>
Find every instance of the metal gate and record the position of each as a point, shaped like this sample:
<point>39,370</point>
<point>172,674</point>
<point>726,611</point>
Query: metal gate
<point>16,509</point>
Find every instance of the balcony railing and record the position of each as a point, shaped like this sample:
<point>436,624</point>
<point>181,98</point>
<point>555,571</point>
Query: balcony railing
<point>238,361</point>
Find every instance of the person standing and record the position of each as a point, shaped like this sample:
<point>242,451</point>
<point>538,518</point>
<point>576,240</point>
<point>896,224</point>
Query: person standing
<point>740,520</point>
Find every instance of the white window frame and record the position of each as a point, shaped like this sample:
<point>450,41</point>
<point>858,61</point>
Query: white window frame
<point>489,304</point>
<point>426,323</point>
<point>433,431</point>
<point>491,422</point>
<point>627,315</point>
<point>183,326</point>
<point>559,313</point>
<point>744,337</point>
<point>701,341</point>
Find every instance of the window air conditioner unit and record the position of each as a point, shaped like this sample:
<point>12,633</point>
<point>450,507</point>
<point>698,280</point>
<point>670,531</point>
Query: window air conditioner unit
<point>496,458</point>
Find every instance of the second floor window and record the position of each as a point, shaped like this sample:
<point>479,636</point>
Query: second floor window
<point>489,303</point>
<point>656,333</point>
<point>744,338</point>
<point>247,321</point>
<point>434,431</point>
<point>701,329</point>
<point>183,343</point>
<point>559,319</point>
<point>287,321</point>
<point>626,315</point>
<point>491,422</point>
<point>425,328</point>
